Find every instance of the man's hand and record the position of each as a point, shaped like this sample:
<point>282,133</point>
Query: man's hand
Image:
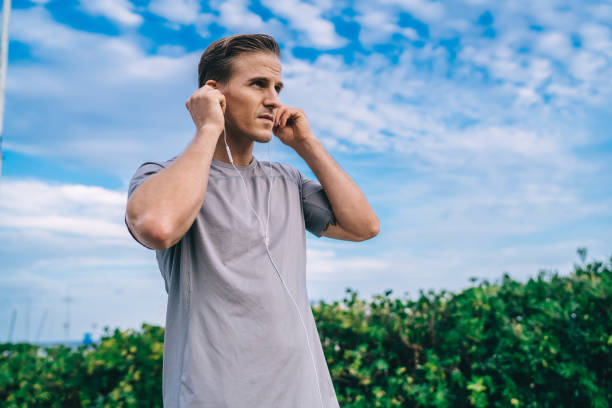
<point>291,126</point>
<point>207,107</point>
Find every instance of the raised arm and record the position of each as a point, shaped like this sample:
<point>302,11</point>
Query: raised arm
<point>162,209</point>
<point>356,220</point>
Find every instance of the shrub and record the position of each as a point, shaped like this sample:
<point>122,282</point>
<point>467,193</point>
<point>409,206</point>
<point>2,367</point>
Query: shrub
<point>542,343</point>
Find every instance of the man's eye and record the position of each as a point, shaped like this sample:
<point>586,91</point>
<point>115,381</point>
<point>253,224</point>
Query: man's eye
<point>258,83</point>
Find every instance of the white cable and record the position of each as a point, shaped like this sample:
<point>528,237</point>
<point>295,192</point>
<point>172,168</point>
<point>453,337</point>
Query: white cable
<point>266,244</point>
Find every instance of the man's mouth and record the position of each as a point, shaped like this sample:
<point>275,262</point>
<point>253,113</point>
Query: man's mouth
<point>267,117</point>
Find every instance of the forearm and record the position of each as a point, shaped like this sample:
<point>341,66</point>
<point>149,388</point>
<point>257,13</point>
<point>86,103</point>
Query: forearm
<point>349,203</point>
<point>163,207</point>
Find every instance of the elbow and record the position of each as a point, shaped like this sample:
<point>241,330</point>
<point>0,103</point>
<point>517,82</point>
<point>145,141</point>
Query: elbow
<point>150,231</point>
<point>159,238</point>
<point>157,234</point>
<point>372,231</point>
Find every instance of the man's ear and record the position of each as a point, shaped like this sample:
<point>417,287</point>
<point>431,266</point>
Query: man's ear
<point>212,83</point>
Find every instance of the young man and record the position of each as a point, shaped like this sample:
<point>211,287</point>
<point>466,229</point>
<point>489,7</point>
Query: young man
<point>239,327</point>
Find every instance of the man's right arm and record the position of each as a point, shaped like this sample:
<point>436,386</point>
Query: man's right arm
<point>162,208</point>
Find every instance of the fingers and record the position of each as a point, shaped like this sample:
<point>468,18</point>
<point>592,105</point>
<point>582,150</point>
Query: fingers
<point>206,91</point>
<point>283,115</point>
<point>277,117</point>
<point>207,105</point>
<point>282,120</point>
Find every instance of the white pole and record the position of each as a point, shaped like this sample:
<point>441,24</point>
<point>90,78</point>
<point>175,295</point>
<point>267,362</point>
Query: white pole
<point>6,10</point>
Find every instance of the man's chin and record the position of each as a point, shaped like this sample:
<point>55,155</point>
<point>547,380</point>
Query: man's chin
<point>262,138</point>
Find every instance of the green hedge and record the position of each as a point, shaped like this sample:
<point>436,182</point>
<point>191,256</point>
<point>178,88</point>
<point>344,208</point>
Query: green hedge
<point>543,343</point>
<point>123,370</point>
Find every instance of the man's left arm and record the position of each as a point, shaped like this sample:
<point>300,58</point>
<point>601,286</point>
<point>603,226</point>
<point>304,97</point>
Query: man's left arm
<point>355,218</point>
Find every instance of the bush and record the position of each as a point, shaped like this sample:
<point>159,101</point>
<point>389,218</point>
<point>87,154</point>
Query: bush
<point>123,370</point>
<point>542,343</point>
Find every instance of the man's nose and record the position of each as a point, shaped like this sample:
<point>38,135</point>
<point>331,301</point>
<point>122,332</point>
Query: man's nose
<point>271,99</point>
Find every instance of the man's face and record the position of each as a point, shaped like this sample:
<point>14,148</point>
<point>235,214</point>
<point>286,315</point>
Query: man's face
<point>251,96</point>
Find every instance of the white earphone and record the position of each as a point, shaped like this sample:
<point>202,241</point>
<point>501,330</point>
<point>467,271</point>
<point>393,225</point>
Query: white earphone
<point>267,245</point>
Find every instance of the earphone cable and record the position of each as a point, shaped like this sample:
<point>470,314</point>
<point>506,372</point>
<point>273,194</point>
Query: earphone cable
<point>266,244</point>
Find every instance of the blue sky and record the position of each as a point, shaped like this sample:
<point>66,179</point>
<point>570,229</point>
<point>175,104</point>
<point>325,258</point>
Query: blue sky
<point>479,131</point>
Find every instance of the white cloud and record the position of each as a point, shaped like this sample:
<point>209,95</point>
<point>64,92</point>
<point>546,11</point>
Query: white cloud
<point>601,12</point>
<point>597,38</point>
<point>48,33</point>
<point>540,70</point>
<point>100,295</point>
<point>82,262</point>
<point>564,92</point>
<point>307,18</point>
<point>70,224</point>
<point>235,15</point>
<point>83,251</point>
<point>80,75</point>
<point>425,10</point>
<point>527,96</point>
<point>378,26</point>
<point>524,143</point>
<point>171,50</point>
<point>586,65</point>
<point>555,44</point>
<point>178,11</point>
<point>118,10</point>
<point>327,88</point>
<point>545,13</point>
<point>522,59</point>
<point>344,104</point>
<point>467,163</point>
<point>113,59</point>
<point>69,239</point>
<point>327,266</point>
<point>450,266</point>
<point>85,211</point>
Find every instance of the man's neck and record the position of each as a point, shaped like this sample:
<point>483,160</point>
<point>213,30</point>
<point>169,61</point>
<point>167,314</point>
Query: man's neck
<point>242,153</point>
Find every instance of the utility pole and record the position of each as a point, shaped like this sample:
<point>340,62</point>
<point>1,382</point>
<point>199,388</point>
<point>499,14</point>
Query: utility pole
<point>68,300</point>
<point>27,316</point>
<point>41,325</point>
<point>6,10</point>
<point>12,326</point>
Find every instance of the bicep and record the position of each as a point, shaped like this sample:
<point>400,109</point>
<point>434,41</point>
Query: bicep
<point>133,208</point>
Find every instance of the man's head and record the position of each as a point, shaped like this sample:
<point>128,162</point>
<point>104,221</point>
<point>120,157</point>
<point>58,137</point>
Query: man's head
<point>246,68</point>
<point>216,60</point>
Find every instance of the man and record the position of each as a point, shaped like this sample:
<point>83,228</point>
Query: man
<point>239,327</point>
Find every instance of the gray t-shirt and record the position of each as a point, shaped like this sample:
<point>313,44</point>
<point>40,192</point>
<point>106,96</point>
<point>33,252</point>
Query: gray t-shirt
<point>233,335</point>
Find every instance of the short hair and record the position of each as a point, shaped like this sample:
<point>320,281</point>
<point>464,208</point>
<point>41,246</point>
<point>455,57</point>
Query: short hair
<point>216,60</point>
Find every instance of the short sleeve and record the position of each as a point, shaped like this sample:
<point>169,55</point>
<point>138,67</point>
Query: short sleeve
<point>143,172</point>
<point>318,213</point>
